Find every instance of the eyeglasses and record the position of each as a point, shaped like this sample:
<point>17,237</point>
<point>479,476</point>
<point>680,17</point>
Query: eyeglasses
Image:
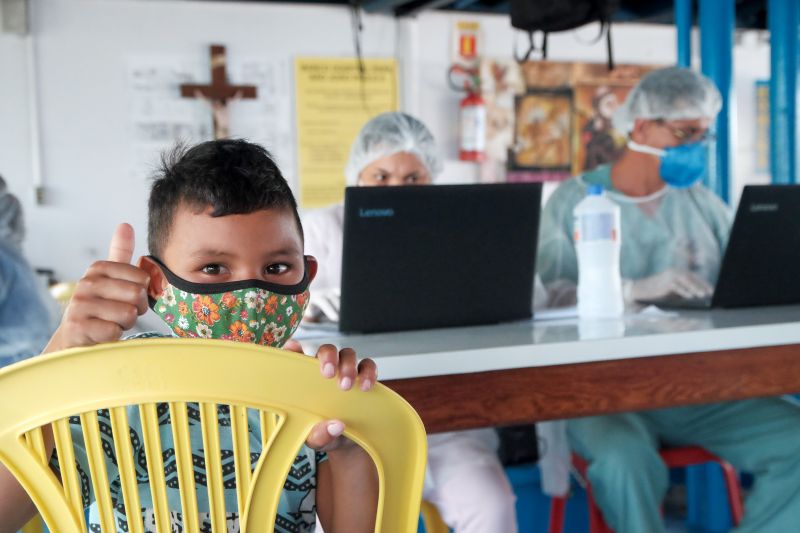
<point>689,133</point>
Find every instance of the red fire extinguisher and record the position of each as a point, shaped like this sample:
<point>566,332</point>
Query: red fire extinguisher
<point>472,117</point>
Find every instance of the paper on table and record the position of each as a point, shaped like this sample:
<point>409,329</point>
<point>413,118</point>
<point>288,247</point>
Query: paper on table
<point>555,313</point>
<point>559,313</point>
<point>652,310</point>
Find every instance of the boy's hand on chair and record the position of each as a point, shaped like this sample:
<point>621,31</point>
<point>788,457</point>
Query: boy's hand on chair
<point>107,300</point>
<point>326,436</point>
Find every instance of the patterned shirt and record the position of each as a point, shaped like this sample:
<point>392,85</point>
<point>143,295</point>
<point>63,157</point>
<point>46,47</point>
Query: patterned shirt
<point>297,506</point>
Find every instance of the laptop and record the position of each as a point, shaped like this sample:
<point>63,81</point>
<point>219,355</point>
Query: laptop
<point>433,256</point>
<point>758,267</point>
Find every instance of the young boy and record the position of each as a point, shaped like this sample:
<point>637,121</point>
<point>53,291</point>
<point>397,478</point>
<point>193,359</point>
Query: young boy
<point>227,262</point>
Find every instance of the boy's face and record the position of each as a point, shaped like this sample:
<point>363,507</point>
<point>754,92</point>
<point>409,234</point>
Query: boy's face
<point>264,245</point>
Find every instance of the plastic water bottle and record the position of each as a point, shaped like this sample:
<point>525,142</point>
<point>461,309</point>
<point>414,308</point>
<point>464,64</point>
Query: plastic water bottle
<point>597,243</point>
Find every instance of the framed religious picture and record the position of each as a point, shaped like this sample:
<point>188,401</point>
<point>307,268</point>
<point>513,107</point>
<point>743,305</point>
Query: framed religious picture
<point>548,74</point>
<point>542,136</point>
<point>595,140</point>
<point>548,120</point>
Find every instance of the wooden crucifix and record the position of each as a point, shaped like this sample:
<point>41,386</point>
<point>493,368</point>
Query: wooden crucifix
<point>219,92</point>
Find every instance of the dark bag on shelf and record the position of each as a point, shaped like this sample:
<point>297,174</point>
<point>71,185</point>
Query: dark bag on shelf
<point>548,16</point>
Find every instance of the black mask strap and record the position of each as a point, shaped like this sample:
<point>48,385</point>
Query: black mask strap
<point>217,288</point>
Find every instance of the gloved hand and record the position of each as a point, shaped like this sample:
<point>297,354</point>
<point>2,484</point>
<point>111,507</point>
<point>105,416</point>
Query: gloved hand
<point>324,305</point>
<point>680,283</point>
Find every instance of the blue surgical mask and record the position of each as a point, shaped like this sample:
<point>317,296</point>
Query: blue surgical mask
<point>681,166</point>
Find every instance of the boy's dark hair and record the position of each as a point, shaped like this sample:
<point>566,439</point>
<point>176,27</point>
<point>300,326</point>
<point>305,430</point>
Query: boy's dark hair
<point>233,177</point>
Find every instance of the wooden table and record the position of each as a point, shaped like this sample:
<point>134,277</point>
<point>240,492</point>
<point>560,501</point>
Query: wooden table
<point>462,378</point>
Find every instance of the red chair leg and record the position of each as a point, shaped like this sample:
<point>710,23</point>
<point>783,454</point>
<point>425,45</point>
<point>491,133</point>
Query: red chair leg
<point>597,524</point>
<point>694,455</point>
<point>673,458</point>
<point>558,506</point>
<point>558,510</point>
<point>734,491</point>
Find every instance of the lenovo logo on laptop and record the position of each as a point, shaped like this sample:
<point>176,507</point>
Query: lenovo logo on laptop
<point>763,208</point>
<point>380,212</point>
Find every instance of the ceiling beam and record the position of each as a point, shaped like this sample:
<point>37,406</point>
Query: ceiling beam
<point>463,4</point>
<point>411,9</point>
<point>382,6</point>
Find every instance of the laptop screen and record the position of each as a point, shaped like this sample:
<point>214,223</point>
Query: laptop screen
<point>439,255</point>
<point>760,263</point>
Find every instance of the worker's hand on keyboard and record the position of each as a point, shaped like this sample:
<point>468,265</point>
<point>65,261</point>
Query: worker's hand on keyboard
<point>684,284</point>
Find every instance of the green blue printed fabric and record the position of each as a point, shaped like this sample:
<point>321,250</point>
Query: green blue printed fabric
<point>245,315</point>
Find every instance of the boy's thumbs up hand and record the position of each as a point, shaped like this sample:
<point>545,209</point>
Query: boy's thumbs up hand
<point>122,244</point>
<point>107,300</point>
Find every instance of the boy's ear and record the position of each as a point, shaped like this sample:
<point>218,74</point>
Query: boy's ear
<point>158,282</point>
<point>313,266</point>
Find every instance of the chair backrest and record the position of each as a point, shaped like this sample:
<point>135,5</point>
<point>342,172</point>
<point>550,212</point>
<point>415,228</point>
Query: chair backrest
<point>140,378</point>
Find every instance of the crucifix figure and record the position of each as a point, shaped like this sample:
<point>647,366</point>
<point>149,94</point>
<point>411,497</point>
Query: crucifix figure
<point>219,92</point>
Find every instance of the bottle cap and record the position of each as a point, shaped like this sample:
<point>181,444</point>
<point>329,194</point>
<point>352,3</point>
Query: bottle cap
<point>594,190</point>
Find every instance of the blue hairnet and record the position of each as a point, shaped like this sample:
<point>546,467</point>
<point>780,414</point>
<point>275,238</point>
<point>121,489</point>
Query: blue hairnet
<point>388,134</point>
<point>12,227</point>
<point>672,93</point>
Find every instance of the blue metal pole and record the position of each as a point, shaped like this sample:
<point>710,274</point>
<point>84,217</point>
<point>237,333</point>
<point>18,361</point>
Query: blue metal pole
<point>783,18</point>
<point>717,19</point>
<point>683,24</point>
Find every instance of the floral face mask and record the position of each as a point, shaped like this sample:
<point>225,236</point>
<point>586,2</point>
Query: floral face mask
<point>252,311</point>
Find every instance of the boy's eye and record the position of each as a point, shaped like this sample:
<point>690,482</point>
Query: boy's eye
<point>412,178</point>
<point>211,270</point>
<point>277,268</point>
<point>381,177</point>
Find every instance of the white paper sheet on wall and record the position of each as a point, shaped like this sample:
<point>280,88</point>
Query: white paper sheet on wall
<point>160,117</point>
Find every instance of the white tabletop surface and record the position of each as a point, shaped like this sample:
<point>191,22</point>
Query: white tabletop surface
<point>534,343</point>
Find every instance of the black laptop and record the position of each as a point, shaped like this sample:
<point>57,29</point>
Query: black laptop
<point>759,265</point>
<point>435,256</point>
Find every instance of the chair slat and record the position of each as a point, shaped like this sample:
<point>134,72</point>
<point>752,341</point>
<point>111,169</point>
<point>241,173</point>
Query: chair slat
<point>127,471</point>
<point>155,466</point>
<point>97,468</point>
<point>216,491</point>
<point>269,422</point>
<point>62,437</point>
<point>35,440</point>
<point>34,526</point>
<point>185,464</point>
<point>271,471</point>
<point>241,454</point>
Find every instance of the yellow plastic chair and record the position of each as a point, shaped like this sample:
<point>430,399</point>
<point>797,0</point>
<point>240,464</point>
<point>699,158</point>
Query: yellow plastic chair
<point>432,519</point>
<point>34,526</point>
<point>45,391</point>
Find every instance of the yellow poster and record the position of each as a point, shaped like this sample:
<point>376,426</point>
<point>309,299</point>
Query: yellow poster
<point>333,101</point>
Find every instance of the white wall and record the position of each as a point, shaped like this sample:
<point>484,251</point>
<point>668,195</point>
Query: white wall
<point>82,51</point>
<point>14,146</point>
